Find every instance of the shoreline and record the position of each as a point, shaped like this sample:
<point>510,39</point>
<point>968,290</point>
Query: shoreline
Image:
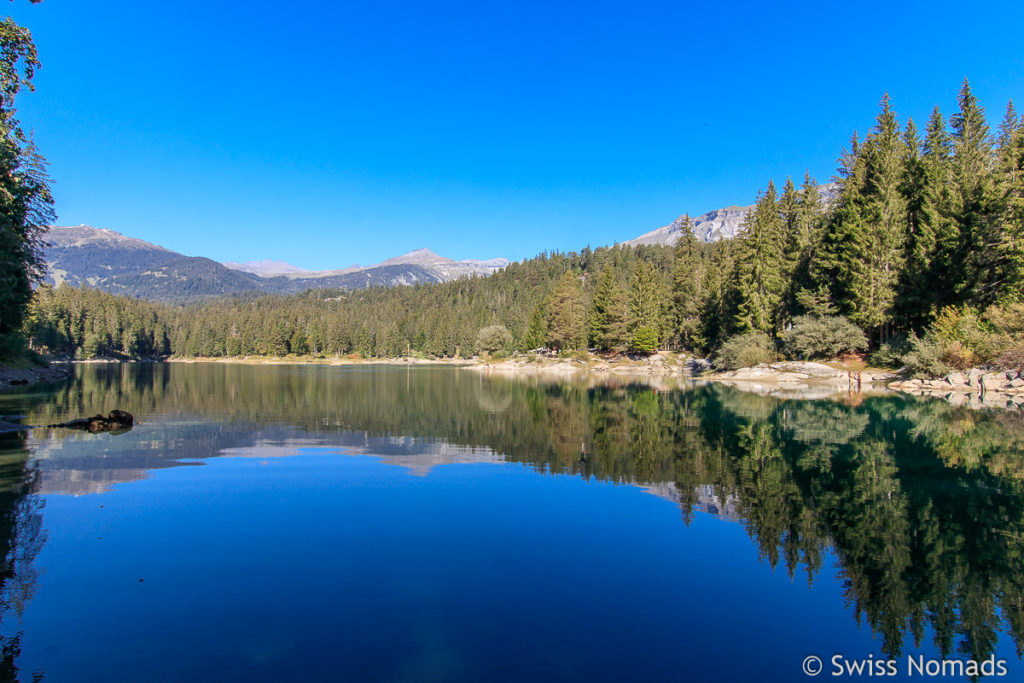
<point>13,378</point>
<point>276,360</point>
<point>663,370</point>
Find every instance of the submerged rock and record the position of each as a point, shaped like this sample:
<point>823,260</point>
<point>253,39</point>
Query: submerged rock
<point>116,421</point>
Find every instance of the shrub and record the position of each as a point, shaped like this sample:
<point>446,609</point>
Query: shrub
<point>493,339</point>
<point>744,350</point>
<point>891,353</point>
<point>822,337</point>
<point>575,354</point>
<point>959,338</point>
<point>925,358</point>
<point>1007,319</point>
<point>645,340</point>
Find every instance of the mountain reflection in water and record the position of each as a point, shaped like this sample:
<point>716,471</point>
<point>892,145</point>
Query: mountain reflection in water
<point>921,502</point>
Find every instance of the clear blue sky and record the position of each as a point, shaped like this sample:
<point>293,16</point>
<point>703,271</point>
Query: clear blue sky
<point>327,133</point>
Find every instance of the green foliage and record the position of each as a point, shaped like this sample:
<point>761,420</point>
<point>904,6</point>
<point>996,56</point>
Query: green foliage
<point>688,274</point>
<point>744,351</point>
<point>78,322</point>
<point>960,338</point>
<point>26,205</point>
<point>647,302</point>
<point>494,339</point>
<point>565,313</point>
<point>608,313</point>
<point>760,276</point>
<point>436,320</point>
<point>927,357</point>
<point>822,337</point>
<point>891,352</point>
<point>644,340</point>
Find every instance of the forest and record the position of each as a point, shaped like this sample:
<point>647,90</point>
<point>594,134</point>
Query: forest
<point>918,259</point>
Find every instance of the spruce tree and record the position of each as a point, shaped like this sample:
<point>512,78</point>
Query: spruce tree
<point>1009,177</point>
<point>760,278</point>
<point>829,271</point>
<point>945,272</point>
<point>608,313</point>
<point>972,195</point>
<point>806,295</point>
<point>885,213</point>
<point>565,314</point>
<point>26,205</point>
<point>716,322</point>
<point>687,278</point>
<point>916,298</point>
<point>647,299</point>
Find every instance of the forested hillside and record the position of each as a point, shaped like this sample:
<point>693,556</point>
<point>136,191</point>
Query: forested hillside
<point>920,255</point>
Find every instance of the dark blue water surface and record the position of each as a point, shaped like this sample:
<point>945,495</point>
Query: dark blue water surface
<point>429,524</point>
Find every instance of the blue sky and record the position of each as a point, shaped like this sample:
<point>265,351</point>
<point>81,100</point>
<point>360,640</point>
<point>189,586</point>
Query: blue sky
<point>327,133</point>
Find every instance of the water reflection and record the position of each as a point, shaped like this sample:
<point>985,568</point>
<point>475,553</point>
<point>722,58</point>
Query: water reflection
<point>921,501</point>
<point>21,539</point>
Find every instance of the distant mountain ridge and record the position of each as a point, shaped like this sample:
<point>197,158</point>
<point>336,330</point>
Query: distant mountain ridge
<point>265,267</point>
<point>715,225</point>
<point>119,264</point>
<point>124,265</point>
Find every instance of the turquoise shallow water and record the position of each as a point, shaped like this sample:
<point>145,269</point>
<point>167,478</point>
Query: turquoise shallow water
<point>400,524</point>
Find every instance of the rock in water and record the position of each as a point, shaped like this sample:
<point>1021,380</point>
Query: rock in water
<point>116,422</point>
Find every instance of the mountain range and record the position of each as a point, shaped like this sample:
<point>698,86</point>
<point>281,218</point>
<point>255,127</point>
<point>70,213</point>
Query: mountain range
<point>125,265</point>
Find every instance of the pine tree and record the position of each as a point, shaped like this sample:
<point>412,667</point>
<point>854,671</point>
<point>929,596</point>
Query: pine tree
<point>647,299</point>
<point>916,297</point>
<point>719,297</point>
<point>867,231</point>
<point>565,314</point>
<point>537,329</point>
<point>972,195</point>
<point>687,277</point>
<point>808,295</point>
<point>1009,176</point>
<point>830,270</point>
<point>760,270</point>
<point>608,313</point>
<point>885,212</point>
<point>26,205</point>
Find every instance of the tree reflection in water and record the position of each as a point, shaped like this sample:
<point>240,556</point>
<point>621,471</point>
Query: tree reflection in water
<point>21,538</point>
<point>922,502</point>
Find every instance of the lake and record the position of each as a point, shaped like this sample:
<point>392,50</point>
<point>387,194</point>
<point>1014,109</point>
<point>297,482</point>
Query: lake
<point>390,523</point>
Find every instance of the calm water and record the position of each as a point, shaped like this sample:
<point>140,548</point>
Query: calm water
<point>396,524</point>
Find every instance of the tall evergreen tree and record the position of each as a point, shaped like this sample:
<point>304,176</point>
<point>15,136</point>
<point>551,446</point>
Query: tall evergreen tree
<point>647,299</point>
<point>1009,261</point>
<point>972,195</point>
<point>885,214</point>
<point>719,296</point>
<point>608,313</point>
<point>915,297</point>
<point>687,279</point>
<point>566,328</point>
<point>808,294</point>
<point>26,205</point>
<point>760,268</point>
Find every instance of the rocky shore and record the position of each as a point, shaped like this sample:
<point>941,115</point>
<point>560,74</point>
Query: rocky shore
<point>974,388</point>
<point>801,379</point>
<point>14,377</point>
<point>791,379</point>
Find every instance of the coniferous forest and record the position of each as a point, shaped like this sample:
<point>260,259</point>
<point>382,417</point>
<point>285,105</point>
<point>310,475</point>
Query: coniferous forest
<point>917,257</point>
